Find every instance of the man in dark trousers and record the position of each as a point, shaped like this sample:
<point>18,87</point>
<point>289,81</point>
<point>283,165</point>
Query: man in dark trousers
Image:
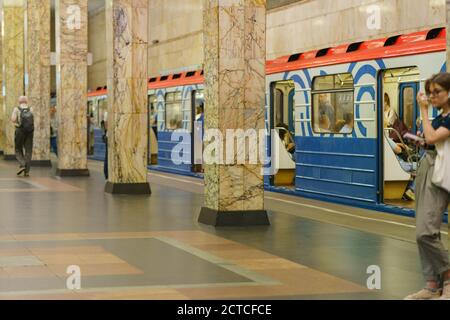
<point>23,120</point>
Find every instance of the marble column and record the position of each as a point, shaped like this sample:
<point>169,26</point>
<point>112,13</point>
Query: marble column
<point>2,113</point>
<point>37,70</point>
<point>234,55</point>
<point>127,64</point>
<point>71,86</point>
<point>13,67</point>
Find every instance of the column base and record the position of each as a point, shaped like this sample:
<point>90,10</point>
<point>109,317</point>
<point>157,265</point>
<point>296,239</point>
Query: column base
<point>128,188</point>
<point>233,218</point>
<point>72,173</point>
<point>41,163</point>
<point>9,157</point>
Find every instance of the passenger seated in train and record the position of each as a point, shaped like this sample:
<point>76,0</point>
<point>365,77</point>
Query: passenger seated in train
<point>389,114</point>
<point>324,124</point>
<point>401,151</point>
<point>325,107</point>
<point>174,124</point>
<point>403,154</point>
<point>287,138</point>
<point>399,127</point>
<point>348,123</point>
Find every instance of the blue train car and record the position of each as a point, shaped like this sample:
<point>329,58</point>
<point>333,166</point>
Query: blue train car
<point>328,109</point>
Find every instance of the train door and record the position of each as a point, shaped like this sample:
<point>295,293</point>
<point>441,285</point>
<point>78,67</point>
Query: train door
<point>398,89</point>
<point>152,130</point>
<point>282,124</point>
<point>198,120</point>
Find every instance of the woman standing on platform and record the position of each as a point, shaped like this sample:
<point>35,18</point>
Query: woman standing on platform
<point>432,200</point>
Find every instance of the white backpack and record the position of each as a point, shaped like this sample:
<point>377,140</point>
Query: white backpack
<point>441,176</point>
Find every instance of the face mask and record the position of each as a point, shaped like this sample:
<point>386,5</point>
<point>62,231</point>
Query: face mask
<point>23,105</point>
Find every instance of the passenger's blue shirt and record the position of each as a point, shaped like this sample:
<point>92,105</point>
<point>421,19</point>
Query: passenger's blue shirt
<point>441,121</point>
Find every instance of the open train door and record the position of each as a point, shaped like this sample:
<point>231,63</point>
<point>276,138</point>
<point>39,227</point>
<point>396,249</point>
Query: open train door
<point>282,125</point>
<point>397,91</point>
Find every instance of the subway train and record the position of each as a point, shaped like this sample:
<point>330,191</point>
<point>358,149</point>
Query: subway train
<point>327,106</point>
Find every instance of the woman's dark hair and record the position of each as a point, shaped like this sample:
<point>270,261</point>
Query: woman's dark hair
<point>387,99</point>
<point>282,125</point>
<point>442,79</point>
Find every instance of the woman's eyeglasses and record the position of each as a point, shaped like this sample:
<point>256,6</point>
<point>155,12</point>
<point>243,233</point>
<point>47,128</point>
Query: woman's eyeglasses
<point>434,93</point>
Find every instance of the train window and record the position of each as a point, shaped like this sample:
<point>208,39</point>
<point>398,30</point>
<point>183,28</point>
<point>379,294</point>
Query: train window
<point>279,107</point>
<point>333,108</point>
<point>408,107</point>
<point>174,112</point>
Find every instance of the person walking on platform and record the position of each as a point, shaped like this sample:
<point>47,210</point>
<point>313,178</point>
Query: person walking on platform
<point>23,120</point>
<point>433,200</point>
<point>53,130</point>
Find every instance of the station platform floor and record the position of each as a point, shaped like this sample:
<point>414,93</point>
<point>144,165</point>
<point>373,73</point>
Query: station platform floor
<point>140,247</point>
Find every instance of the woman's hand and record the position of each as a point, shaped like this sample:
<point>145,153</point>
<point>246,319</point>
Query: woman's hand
<point>420,143</point>
<point>423,103</point>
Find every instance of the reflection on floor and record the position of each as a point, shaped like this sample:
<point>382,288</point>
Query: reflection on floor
<point>401,203</point>
<point>153,248</point>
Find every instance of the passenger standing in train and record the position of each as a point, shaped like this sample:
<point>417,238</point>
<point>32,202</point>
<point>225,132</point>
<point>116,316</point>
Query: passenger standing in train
<point>389,114</point>
<point>325,107</point>
<point>432,201</point>
<point>53,130</point>
<point>23,120</point>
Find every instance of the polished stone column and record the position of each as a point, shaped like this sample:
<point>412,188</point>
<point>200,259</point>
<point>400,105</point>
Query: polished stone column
<point>2,113</point>
<point>127,45</point>
<point>234,54</point>
<point>37,68</point>
<point>13,68</point>
<point>71,83</point>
